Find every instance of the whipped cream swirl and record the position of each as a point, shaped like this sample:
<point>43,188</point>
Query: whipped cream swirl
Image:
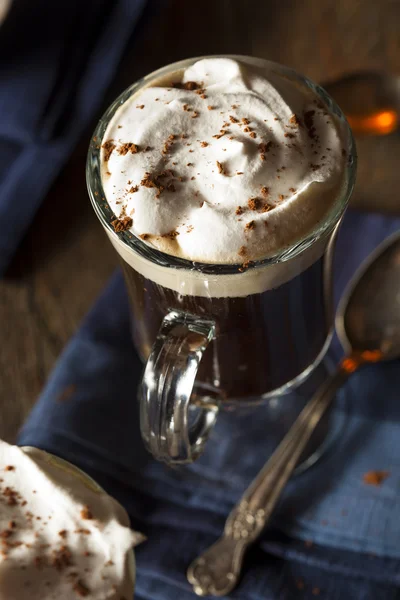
<point>223,163</point>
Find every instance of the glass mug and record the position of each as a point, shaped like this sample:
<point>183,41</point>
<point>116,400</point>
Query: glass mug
<point>217,335</point>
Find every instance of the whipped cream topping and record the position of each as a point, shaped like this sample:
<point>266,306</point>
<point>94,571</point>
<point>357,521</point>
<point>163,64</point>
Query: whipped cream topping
<point>230,164</point>
<point>61,536</point>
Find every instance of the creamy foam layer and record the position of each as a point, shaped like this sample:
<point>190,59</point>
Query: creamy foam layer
<point>195,283</point>
<point>61,535</point>
<point>234,164</point>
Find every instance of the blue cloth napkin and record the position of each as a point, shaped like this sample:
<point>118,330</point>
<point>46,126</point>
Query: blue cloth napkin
<point>56,61</point>
<point>333,536</point>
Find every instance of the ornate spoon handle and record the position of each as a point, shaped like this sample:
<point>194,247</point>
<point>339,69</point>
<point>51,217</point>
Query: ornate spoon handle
<point>218,569</point>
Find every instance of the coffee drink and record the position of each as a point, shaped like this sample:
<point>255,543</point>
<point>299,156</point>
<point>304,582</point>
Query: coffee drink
<point>220,182</point>
<point>227,164</point>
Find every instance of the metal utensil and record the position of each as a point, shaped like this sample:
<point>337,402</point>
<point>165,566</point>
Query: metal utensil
<point>368,324</point>
<point>369,99</point>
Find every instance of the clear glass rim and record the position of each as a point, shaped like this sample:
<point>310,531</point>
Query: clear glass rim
<point>106,215</point>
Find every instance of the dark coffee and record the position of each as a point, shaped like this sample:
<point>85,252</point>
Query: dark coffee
<point>263,341</point>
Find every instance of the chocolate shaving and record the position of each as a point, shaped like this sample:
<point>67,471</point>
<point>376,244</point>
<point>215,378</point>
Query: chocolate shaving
<point>86,513</point>
<point>191,85</point>
<point>204,144</point>
<point>109,147</point>
<point>11,496</point>
<point>122,224</point>
<point>250,226</point>
<point>265,147</point>
<point>265,191</point>
<point>221,168</point>
<point>171,234</point>
<point>267,208</point>
<point>128,147</point>
<point>294,120</point>
<point>242,251</point>
<point>254,203</point>
<point>62,558</point>
<point>375,477</point>
<point>239,210</point>
<point>245,266</point>
<point>147,181</point>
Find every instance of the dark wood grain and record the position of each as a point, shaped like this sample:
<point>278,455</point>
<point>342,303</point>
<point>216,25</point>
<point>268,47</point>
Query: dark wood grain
<point>61,266</point>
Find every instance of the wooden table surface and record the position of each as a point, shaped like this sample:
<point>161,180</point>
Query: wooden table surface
<point>59,270</point>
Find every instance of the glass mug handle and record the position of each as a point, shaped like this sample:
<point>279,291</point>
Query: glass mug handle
<point>166,389</point>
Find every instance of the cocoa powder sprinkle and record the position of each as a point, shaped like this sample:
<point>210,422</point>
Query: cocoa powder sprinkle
<point>220,167</point>
<point>265,147</point>
<point>254,203</point>
<point>109,147</point>
<point>128,147</point>
<point>122,224</point>
<point>375,477</point>
<point>86,513</point>
<point>250,226</point>
<point>294,120</point>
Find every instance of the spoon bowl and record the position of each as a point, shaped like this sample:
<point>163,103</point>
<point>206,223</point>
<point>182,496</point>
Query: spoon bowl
<point>368,317</point>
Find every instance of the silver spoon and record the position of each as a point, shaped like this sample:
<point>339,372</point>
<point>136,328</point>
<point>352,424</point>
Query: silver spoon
<point>368,325</point>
